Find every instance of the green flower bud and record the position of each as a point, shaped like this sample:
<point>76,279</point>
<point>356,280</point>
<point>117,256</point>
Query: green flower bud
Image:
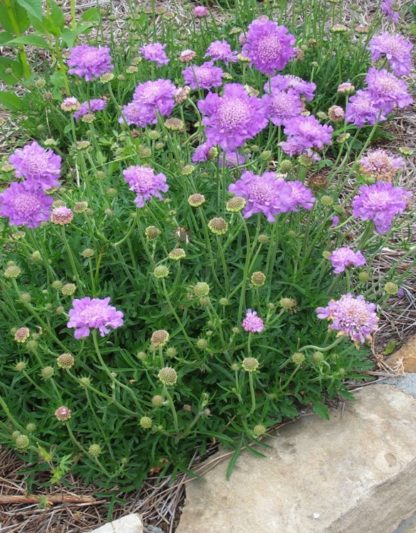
<point>202,344</point>
<point>298,358</point>
<point>146,422</point>
<point>94,450</point>
<point>218,225</point>
<point>259,430</point>
<point>161,271</point>
<point>391,288</point>
<point>250,364</point>
<point>363,276</point>
<point>258,279</point>
<point>22,442</point>
<point>168,376</point>
<point>47,372</point>
<point>318,357</point>
<point>201,289</point>
<point>158,401</point>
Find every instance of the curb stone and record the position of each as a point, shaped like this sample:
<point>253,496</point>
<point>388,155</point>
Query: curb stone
<point>130,523</point>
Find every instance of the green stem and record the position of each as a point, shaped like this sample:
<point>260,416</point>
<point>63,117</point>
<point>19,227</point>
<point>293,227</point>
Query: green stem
<point>172,408</point>
<point>252,392</point>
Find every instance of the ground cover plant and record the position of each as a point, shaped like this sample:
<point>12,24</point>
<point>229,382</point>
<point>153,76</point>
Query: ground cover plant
<point>188,235</point>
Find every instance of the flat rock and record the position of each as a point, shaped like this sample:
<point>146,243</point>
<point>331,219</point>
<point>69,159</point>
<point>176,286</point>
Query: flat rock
<point>130,523</point>
<point>405,358</point>
<point>353,473</point>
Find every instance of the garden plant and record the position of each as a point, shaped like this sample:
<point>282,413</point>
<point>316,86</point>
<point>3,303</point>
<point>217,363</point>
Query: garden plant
<point>189,226</point>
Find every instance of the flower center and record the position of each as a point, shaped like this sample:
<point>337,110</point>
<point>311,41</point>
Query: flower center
<point>26,203</point>
<point>260,192</point>
<point>234,113</point>
<point>269,47</point>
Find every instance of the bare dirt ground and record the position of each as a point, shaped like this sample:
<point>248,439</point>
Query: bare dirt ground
<point>159,501</point>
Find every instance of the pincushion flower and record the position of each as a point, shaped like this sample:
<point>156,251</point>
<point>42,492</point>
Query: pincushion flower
<point>380,203</point>
<point>205,76</point>
<point>381,165</point>
<point>145,183</point>
<point>25,204</point>
<point>221,51</point>
<point>233,118</point>
<point>387,7</point>
<point>387,91</point>
<point>343,257</point>
<point>294,84</point>
<point>155,52</point>
<point>200,11</point>
<point>37,165</point>
<point>252,323</point>
<point>150,99</point>
<point>202,152</point>
<point>282,106</point>
<point>268,46</point>
<point>351,316</point>
<point>89,62</point>
<point>395,48</point>
<point>270,195</point>
<point>305,133</point>
<point>361,110</point>
<point>93,313</point>
<point>91,106</point>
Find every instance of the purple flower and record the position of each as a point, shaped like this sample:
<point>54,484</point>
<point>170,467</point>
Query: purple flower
<point>304,133</point>
<point>233,118</point>
<point>37,165</point>
<point>252,323</point>
<point>351,316</point>
<point>268,46</point>
<point>380,202</point>
<point>395,48</point>
<point>221,51</point>
<point>335,221</point>
<point>201,153</point>
<point>205,76</point>
<point>89,62</point>
<point>25,204</point>
<point>155,52</point>
<point>387,7</point>
<point>343,257</point>
<point>302,88</point>
<point>361,110</point>
<point>282,105</point>
<point>270,195</point>
<point>93,313</point>
<point>387,91</point>
<point>90,106</point>
<point>200,11</point>
<point>381,165</point>
<point>145,183</point>
<point>150,99</point>
<point>232,159</point>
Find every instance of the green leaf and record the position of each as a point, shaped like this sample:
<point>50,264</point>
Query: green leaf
<point>10,70</point>
<point>56,20</point>
<point>232,462</point>
<point>321,410</point>
<point>91,15</point>
<point>31,40</point>
<point>33,7</point>
<point>5,36</point>
<point>11,101</point>
<point>20,15</point>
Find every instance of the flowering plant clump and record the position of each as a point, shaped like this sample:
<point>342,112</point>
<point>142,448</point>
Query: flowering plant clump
<point>190,230</point>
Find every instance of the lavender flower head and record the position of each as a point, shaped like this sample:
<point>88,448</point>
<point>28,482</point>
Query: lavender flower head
<point>395,48</point>
<point>89,62</point>
<point>37,165</point>
<point>233,118</point>
<point>351,316</point>
<point>270,195</point>
<point>155,52</point>
<point>381,165</point>
<point>91,106</point>
<point>380,202</point>
<point>205,76</point>
<point>150,99</point>
<point>221,51</point>
<point>252,323</point>
<point>268,46</point>
<point>201,153</point>
<point>25,204</point>
<point>200,11</point>
<point>282,106</point>
<point>93,313</point>
<point>343,257</point>
<point>145,183</point>
<point>387,91</point>
<point>305,133</point>
<point>361,110</point>
<point>387,7</point>
<point>294,84</point>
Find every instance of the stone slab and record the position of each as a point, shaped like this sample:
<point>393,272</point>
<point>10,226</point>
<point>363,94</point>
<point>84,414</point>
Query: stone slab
<point>354,473</point>
<point>405,358</point>
<point>130,523</point>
